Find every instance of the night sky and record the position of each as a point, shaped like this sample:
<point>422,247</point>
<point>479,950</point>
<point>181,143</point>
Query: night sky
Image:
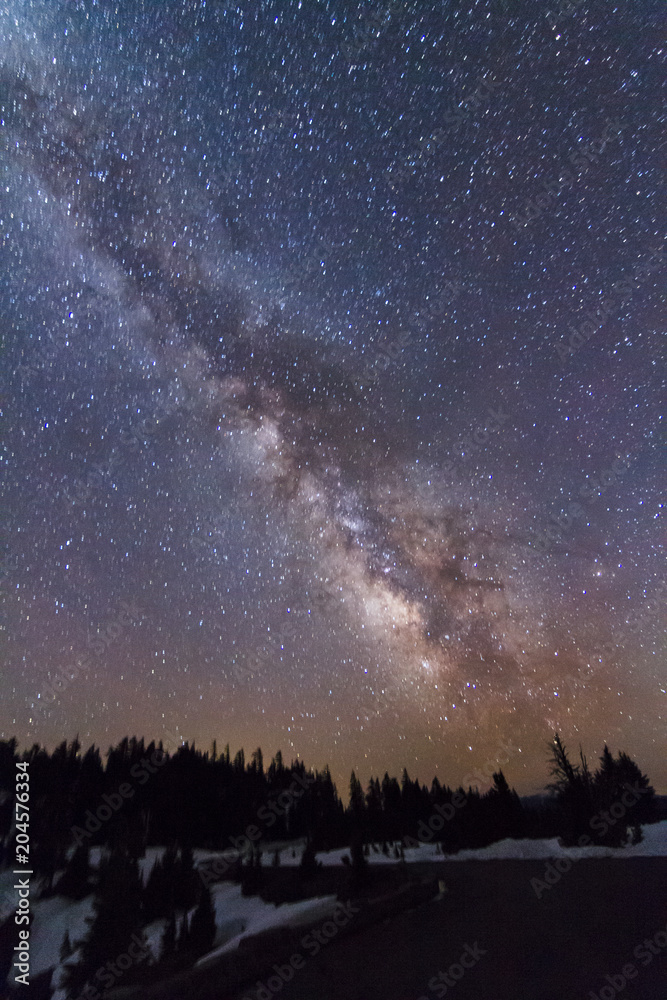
<point>331,348</point>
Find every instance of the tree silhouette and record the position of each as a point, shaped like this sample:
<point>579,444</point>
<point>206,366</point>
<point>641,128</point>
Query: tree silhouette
<point>623,797</point>
<point>309,863</point>
<point>66,949</point>
<point>115,926</point>
<point>202,925</point>
<point>573,787</point>
<point>74,883</point>
<point>168,940</point>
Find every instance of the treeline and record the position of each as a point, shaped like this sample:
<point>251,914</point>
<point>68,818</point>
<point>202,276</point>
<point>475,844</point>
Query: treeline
<point>144,796</point>
<point>116,946</point>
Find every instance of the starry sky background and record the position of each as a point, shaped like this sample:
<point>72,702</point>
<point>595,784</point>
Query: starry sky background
<point>266,271</point>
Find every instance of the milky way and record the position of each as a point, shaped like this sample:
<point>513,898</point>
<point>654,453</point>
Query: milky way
<point>331,345</point>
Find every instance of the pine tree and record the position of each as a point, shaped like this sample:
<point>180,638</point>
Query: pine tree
<point>183,936</point>
<point>257,764</point>
<point>357,852</point>
<point>564,773</point>
<point>611,784</point>
<point>573,786</point>
<point>359,863</point>
<point>168,941</point>
<point>309,863</point>
<point>118,917</point>
<point>74,882</point>
<point>252,874</point>
<point>357,802</point>
<point>202,925</point>
<point>66,948</point>
<point>185,880</point>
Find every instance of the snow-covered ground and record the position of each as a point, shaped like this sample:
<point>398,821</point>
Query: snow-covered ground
<point>653,845</point>
<point>239,916</point>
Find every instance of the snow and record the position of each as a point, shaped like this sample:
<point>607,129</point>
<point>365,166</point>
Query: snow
<point>654,845</point>
<point>239,916</point>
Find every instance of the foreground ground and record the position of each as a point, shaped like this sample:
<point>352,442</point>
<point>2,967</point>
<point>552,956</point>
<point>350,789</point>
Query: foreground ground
<point>558,947</point>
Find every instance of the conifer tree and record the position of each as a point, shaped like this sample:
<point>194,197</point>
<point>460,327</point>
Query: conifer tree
<point>573,786</point>
<point>185,880</point>
<point>168,940</point>
<point>183,936</point>
<point>116,923</point>
<point>620,781</point>
<point>202,925</point>
<point>66,949</point>
<point>309,863</point>
<point>74,882</point>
